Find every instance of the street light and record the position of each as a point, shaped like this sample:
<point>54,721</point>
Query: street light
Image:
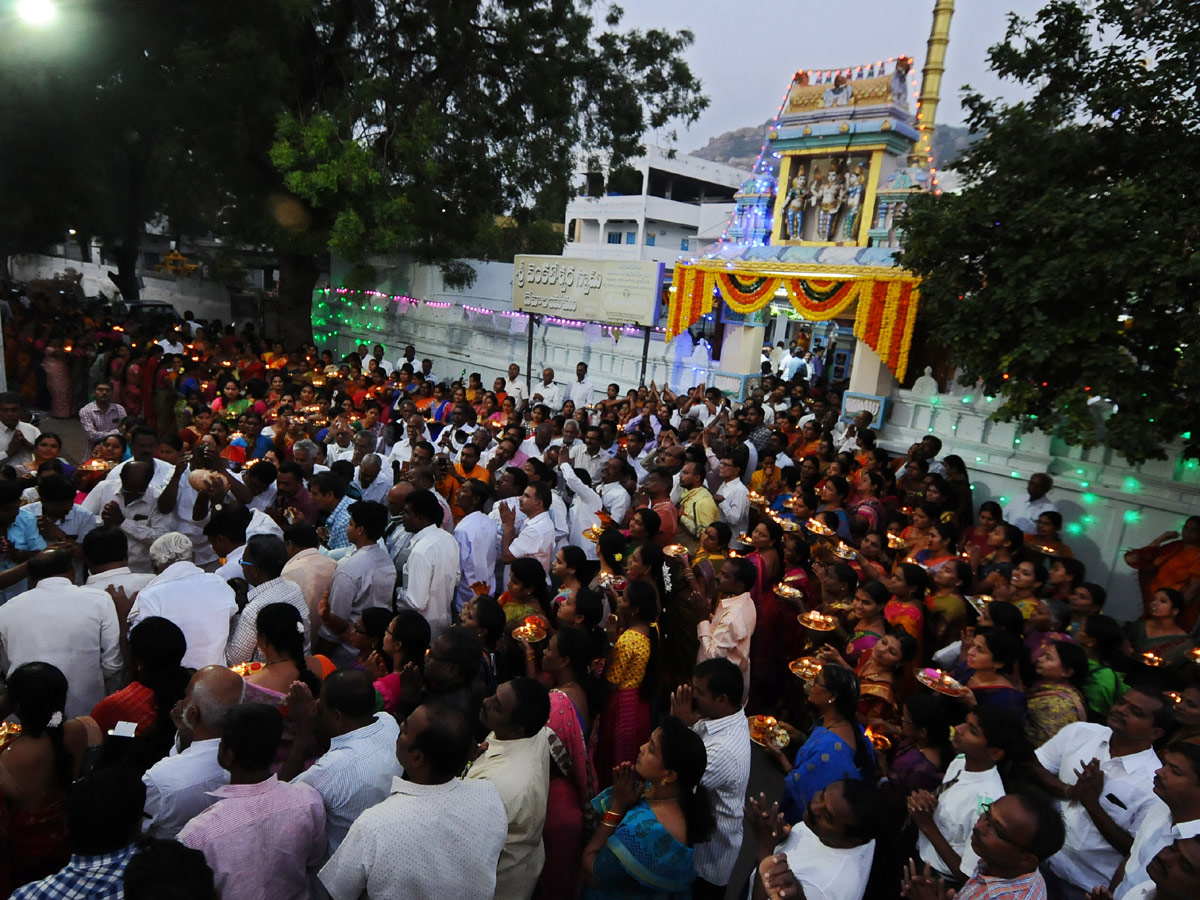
<point>38,13</point>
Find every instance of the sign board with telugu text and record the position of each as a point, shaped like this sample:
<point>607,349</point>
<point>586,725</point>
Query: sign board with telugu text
<point>610,291</point>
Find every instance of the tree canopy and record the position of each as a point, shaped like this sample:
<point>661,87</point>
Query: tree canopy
<point>352,126</point>
<point>1064,274</point>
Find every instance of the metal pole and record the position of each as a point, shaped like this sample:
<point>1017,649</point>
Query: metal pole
<point>529,360</point>
<point>645,353</point>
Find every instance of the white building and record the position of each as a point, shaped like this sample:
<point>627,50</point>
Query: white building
<point>657,209</point>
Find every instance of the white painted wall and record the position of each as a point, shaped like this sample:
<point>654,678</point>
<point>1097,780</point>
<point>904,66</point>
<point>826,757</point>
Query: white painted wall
<point>1110,505</point>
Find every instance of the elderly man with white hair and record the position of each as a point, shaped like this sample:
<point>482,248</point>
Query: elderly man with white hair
<point>200,603</point>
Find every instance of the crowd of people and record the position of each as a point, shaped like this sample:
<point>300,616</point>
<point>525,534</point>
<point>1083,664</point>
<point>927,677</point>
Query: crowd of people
<point>298,625</point>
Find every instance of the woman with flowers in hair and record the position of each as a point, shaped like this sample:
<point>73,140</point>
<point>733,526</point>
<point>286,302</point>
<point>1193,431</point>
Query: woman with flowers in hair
<point>38,761</point>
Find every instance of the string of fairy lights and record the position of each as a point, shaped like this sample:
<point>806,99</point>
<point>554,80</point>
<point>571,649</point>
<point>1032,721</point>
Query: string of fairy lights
<point>369,317</point>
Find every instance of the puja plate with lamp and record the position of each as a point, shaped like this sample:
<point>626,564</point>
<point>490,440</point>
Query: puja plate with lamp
<point>806,667</point>
<point>881,742</point>
<point>816,526</point>
<point>767,732</point>
<point>744,539</point>
<point>939,681</point>
<point>531,630</point>
<point>843,550</point>
<point>1153,660</point>
<point>675,551</point>
<point>895,542</point>
<point>593,533</point>
<point>788,592</point>
<point>815,621</point>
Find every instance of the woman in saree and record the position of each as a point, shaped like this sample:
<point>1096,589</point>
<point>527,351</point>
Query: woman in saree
<point>56,365</point>
<point>906,608</point>
<point>869,624</point>
<point>916,536</point>
<point>865,508</point>
<point>880,676</point>
<point>281,644</point>
<point>1171,560</point>
<point>994,658</point>
<point>631,676</point>
<point>836,749</point>
<point>1056,698</point>
<point>798,574</point>
<point>939,548</point>
<point>990,515</point>
<point>132,389</point>
<point>697,588</point>
<point>1160,632</point>
<point>767,558</point>
<point>650,819</point>
<point>566,663</point>
<point>404,639</point>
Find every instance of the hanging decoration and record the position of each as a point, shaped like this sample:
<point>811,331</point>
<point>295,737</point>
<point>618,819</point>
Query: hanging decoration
<point>884,319</point>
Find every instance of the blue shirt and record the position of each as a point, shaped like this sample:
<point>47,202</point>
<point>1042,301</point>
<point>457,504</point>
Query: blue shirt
<point>83,878</point>
<point>337,522</point>
<point>23,534</point>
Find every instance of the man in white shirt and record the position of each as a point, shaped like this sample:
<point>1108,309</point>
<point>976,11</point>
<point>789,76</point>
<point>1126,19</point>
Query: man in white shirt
<point>517,762</point>
<point>589,456</point>
<point>475,535</point>
<point>536,538</point>
<point>199,602</point>
<point>143,445</point>
<point>548,392</point>
<point>540,441</point>
<point>712,706</point>
<point>1177,785</point>
<point>340,443</point>
<point>134,509</point>
<point>432,570</point>
<point>1024,511</point>
<point>828,853</point>
<point>60,519</point>
<point>70,627</point>
<point>16,437</point>
<point>1103,777</point>
<point>364,580</point>
<point>106,549</point>
<point>226,533</point>
<point>580,391</point>
<point>371,484</point>
<point>356,772</point>
<point>515,386</point>
<point>733,497</point>
<point>177,788</point>
<point>308,567</point>
<point>437,835</point>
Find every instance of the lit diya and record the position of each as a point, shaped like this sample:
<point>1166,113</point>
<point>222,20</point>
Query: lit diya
<point>843,550</point>
<point>1194,655</point>
<point>895,542</point>
<point>880,742</point>
<point>9,731</point>
<point>815,621</point>
<point>247,668</point>
<point>940,682</point>
<point>593,533</point>
<point>675,551</point>
<point>806,667</point>
<point>96,465</point>
<point>533,629</point>
<point>788,524</point>
<point>609,580</point>
<point>1046,549</point>
<point>788,592</point>
<point>757,499</point>
<point>816,526</point>
<point>767,732</point>
<point>1153,660</point>
<point>744,538</point>
<point>1174,697</point>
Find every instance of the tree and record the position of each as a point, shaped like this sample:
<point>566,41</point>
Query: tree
<point>1064,274</point>
<point>416,125</point>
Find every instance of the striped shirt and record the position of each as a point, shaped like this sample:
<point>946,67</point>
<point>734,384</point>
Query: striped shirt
<point>727,741</point>
<point>985,887</point>
<point>337,522</point>
<point>355,773</point>
<point>243,642</point>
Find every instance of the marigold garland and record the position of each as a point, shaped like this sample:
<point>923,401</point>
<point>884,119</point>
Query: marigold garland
<point>884,319</point>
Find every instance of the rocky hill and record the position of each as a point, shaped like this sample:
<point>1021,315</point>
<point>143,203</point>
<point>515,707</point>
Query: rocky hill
<point>739,148</point>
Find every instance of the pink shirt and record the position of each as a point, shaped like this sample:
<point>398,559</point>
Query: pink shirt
<point>261,839</point>
<point>728,634</point>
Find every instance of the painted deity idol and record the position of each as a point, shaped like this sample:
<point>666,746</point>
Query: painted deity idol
<point>794,206</point>
<point>899,83</point>
<point>839,93</point>
<point>855,182</point>
<point>827,197</point>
